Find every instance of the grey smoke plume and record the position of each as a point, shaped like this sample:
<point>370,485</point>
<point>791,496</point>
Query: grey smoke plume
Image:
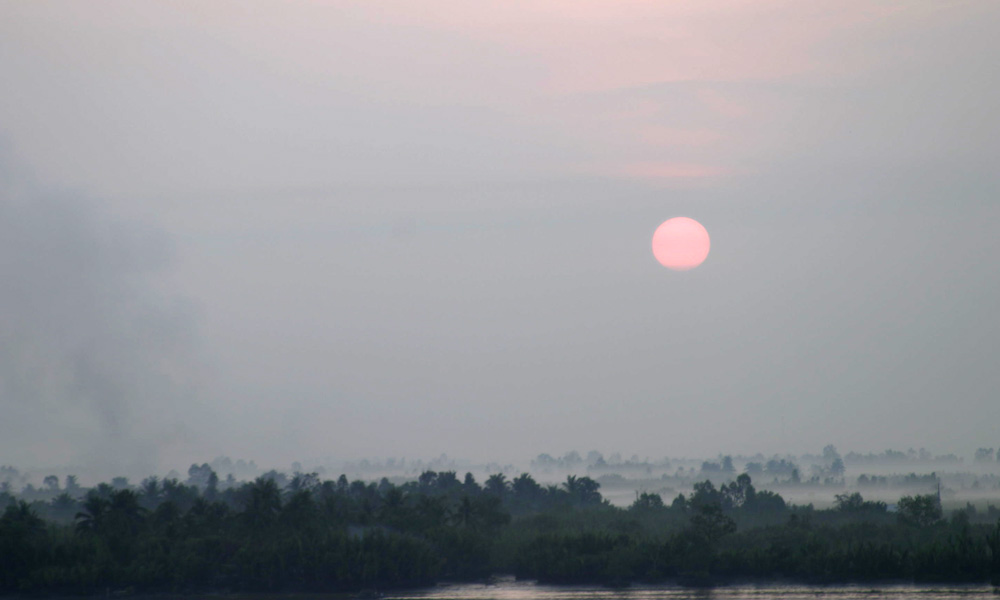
<point>91,355</point>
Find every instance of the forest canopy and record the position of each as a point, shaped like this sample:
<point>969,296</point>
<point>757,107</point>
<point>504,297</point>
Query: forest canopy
<point>307,534</point>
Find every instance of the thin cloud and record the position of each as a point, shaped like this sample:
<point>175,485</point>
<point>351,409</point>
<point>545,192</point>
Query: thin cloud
<point>658,171</point>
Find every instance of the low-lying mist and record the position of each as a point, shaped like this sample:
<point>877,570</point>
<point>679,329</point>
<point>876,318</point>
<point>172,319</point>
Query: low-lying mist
<point>808,479</point>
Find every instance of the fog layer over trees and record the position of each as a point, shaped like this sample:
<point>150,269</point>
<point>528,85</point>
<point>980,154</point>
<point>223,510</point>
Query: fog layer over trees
<point>227,526</point>
<point>307,534</point>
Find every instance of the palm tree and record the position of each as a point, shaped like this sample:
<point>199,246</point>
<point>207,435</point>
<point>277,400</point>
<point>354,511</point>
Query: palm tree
<point>432,510</point>
<point>151,492</point>
<point>125,509</point>
<point>496,484</point>
<point>583,489</point>
<point>263,503</point>
<point>91,518</point>
<point>465,513</point>
<point>393,505</point>
<point>525,487</point>
<point>63,505</point>
<point>19,519</point>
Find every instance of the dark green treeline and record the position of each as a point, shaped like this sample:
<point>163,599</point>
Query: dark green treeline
<point>312,535</point>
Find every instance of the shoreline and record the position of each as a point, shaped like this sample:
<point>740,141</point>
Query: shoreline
<point>504,586</point>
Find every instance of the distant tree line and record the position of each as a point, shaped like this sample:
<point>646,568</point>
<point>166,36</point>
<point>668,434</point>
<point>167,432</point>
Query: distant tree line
<point>306,534</point>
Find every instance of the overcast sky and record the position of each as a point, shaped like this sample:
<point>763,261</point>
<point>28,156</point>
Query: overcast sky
<point>291,230</point>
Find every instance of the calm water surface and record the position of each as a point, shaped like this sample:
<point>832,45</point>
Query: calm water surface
<point>516,590</point>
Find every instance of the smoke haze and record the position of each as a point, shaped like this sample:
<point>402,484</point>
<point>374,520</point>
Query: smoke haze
<point>93,355</point>
<point>344,229</point>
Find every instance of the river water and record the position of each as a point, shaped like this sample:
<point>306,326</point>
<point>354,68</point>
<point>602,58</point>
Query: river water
<point>519,590</point>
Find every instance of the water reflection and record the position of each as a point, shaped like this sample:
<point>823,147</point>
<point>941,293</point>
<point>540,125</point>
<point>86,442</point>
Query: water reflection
<point>519,590</point>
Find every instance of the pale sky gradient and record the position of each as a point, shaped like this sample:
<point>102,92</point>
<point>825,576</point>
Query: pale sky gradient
<point>284,230</point>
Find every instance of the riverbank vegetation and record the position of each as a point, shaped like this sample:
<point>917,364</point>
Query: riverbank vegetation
<point>307,534</point>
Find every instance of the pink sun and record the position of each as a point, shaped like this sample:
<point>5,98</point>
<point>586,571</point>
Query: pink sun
<point>681,243</point>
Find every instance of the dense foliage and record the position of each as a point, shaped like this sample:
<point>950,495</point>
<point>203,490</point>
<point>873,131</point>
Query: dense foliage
<point>312,535</point>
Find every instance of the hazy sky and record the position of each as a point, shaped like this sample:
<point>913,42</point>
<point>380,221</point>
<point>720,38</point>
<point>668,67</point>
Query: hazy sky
<point>287,230</point>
